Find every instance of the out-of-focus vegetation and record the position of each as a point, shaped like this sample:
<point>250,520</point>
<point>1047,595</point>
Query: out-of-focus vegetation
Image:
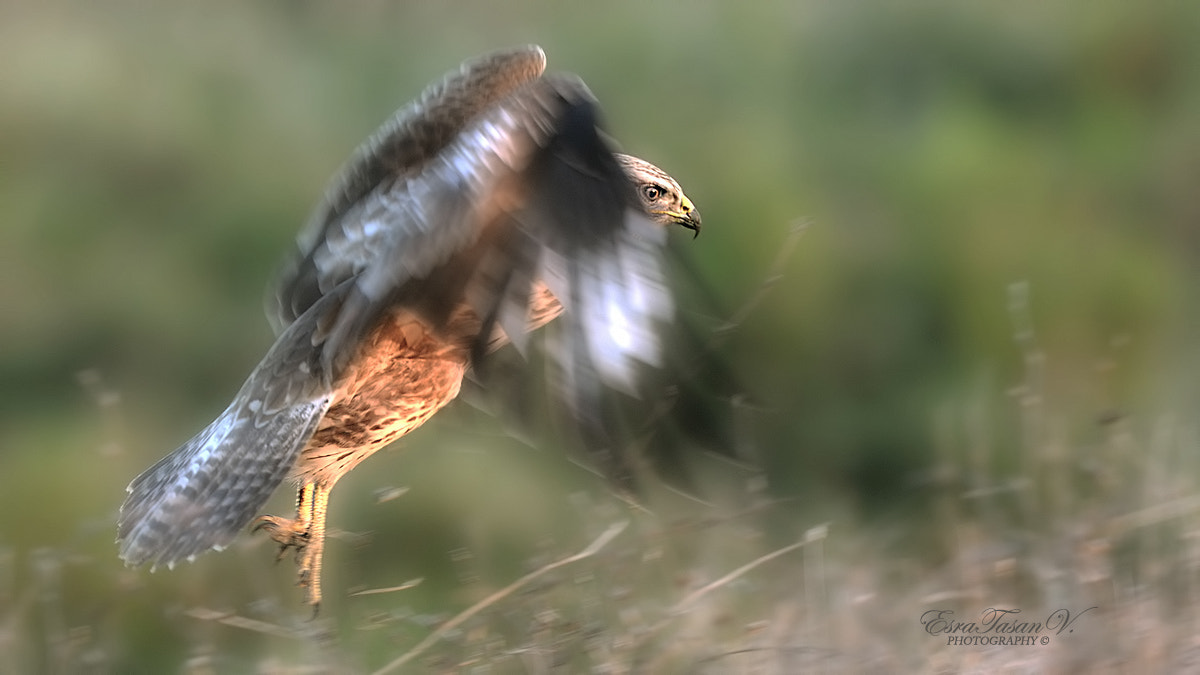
<point>978,368</point>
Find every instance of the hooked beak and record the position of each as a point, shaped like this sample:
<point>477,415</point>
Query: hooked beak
<point>689,218</point>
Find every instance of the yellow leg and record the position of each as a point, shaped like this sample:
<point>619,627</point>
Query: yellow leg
<point>306,534</point>
<point>304,499</point>
<point>314,553</point>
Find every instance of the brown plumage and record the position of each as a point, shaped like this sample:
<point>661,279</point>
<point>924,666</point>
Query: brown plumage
<point>484,210</point>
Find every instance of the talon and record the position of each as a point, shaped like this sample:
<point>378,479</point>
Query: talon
<point>288,533</point>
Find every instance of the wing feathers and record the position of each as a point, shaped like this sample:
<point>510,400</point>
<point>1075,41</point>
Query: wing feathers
<point>400,148</point>
<point>478,184</point>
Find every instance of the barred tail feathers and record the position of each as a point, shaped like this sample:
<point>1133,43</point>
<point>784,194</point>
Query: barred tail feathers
<point>201,495</point>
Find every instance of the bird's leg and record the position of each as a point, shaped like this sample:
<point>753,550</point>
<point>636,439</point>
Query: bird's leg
<point>306,534</point>
<point>311,557</point>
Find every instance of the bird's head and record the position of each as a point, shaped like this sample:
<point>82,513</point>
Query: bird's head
<point>661,197</point>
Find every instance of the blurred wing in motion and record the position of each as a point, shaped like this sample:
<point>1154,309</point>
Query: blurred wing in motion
<point>695,402</point>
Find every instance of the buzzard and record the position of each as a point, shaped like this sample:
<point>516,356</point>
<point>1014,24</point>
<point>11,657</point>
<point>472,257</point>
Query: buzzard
<point>482,211</point>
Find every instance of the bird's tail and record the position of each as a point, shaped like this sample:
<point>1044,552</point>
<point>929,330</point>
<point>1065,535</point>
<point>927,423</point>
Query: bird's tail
<point>200,496</point>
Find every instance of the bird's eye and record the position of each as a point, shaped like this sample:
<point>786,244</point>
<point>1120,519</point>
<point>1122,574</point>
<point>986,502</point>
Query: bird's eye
<point>652,192</point>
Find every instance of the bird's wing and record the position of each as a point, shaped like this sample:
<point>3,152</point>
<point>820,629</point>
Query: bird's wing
<point>695,404</point>
<point>333,247</point>
<point>200,496</point>
<point>529,191</point>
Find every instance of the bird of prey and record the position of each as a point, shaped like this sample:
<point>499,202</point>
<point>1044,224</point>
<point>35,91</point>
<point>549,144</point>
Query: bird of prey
<point>482,211</point>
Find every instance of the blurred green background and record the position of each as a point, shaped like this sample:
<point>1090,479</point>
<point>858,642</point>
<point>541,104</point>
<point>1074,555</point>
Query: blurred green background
<point>966,170</point>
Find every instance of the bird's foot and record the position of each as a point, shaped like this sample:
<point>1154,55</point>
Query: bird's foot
<point>294,534</point>
<point>286,532</point>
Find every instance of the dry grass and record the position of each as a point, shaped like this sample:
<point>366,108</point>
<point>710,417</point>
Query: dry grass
<point>1106,530</point>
